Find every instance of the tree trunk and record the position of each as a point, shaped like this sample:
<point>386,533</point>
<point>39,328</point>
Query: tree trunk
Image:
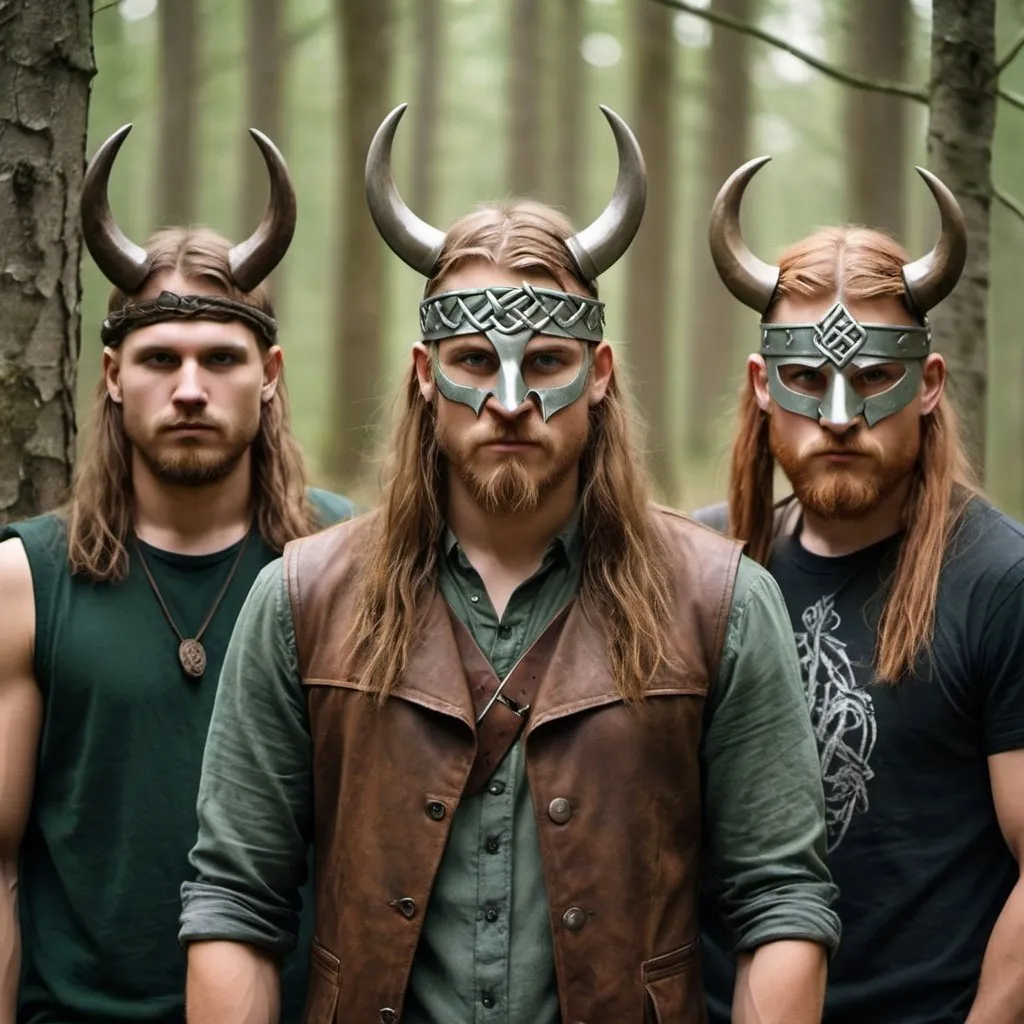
<point>569,86</point>
<point>264,73</point>
<point>960,130</point>
<point>359,315</point>
<point>713,357</point>
<point>649,283</point>
<point>46,64</point>
<point>428,102</point>
<point>176,166</point>
<point>524,99</point>
<point>876,125</point>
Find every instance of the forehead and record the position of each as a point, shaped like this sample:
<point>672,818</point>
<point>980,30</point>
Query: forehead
<point>190,336</point>
<point>802,309</point>
<point>480,274</point>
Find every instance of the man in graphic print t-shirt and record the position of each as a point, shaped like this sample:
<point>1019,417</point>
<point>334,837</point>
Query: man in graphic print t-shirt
<point>906,594</point>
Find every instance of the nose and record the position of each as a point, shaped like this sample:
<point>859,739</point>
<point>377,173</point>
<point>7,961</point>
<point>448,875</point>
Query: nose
<point>839,427</point>
<point>496,409</point>
<point>189,388</point>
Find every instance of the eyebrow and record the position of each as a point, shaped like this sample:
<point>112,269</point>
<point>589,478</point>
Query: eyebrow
<point>234,345</point>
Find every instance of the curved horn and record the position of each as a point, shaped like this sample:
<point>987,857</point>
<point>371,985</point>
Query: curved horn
<point>599,245</point>
<point>750,279</point>
<point>931,278</point>
<point>413,240</point>
<point>123,263</point>
<point>252,261</point>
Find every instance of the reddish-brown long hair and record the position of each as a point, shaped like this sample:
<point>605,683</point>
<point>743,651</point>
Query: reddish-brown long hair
<point>624,585</point>
<point>859,263</point>
<point>99,513</point>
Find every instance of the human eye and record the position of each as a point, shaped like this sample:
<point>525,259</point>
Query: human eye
<point>873,379</point>
<point>222,359</point>
<point>160,360</point>
<point>548,361</point>
<point>474,359</point>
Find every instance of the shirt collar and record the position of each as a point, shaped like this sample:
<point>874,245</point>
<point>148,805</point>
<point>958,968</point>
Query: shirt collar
<point>567,543</point>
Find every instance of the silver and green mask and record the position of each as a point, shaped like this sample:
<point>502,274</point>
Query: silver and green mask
<point>839,348</point>
<point>509,317</point>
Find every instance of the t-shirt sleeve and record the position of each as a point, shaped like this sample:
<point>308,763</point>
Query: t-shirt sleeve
<point>1002,665</point>
<point>764,805</point>
<point>255,792</point>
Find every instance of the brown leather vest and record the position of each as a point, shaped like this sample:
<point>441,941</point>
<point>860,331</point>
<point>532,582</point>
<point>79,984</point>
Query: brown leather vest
<point>616,789</point>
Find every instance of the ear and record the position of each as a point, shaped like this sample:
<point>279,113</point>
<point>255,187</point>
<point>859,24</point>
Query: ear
<point>757,371</point>
<point>424,371</point>
<point>601,373</point>
<point>112,372</point>
<point>273,364</point>
<point>933,382</point>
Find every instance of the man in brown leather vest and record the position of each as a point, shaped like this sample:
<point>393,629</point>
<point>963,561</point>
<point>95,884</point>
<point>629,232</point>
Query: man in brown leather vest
<point>518,710</point>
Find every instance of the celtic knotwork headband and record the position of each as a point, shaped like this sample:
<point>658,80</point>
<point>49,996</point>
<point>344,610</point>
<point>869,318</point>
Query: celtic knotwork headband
<point>838,339</point>
<point>508,318</point>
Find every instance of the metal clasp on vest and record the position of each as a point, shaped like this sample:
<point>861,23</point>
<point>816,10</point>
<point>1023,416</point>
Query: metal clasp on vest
<point>522,710</point>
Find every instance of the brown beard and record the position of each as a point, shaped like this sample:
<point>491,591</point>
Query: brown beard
<point>192,467</point>
<point>842,492</point>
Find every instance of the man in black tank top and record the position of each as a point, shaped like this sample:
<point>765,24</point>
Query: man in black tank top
<point>905,589</point>
<point>117,611</point>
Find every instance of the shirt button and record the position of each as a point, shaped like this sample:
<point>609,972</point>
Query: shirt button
<point>487,1000</point>
<point>491,915</point>
<point>560,810</point>
<point>474,598</point>
<point>496,788</point>
<point>505,631</point>
<point>492,844</point>
<point>574,919</point>
<point>435,810</point>
<point>388,1016</point>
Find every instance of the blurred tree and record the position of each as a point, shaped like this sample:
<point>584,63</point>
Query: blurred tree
<point>46,64</point>
<point>264,94</point>
<point>365,34</point>
<point>723,146</point>
<point>567,151</point>
<point>648,268</point>
<point>524,101</point>
<point>428,106</point>
<point>178,94</point>
<point>876,125</point>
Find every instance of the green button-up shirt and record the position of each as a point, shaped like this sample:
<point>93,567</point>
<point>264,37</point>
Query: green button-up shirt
<point>485,955</point>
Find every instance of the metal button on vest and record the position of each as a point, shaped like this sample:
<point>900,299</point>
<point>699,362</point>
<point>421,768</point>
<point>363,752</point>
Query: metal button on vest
<point>560,810</point>
<point>388,1016</point>
<point>574,919</point>
<point>496,788</point>
<point>406,906</point>
<point>435,810</point>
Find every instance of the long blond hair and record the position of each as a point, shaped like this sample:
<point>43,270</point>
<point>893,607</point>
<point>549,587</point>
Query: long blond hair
<point>624,584</point>
<point>860,264</point>
<point>99,512</point>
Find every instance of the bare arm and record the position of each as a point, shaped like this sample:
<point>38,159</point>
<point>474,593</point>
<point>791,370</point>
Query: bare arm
<point>21,712</point>
<point>1000,997</point>
<point>232,983</point>
<point>780,983</point>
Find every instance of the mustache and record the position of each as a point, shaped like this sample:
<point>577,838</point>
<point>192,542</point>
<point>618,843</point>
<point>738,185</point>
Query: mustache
<point>843,445</point>
<point>192,423</point>
<point>511,435</point>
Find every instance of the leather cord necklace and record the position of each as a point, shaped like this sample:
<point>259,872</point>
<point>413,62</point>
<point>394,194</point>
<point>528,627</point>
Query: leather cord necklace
<point>191,652</point>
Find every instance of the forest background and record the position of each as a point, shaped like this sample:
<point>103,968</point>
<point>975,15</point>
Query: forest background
<point>503,99</point>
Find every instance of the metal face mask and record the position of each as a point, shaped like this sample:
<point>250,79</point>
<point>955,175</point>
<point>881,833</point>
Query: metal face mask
<point>842,348</point>
<point>509,318</point>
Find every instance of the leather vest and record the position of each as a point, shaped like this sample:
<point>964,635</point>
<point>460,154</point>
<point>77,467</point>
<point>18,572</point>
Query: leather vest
<point>615,786</point>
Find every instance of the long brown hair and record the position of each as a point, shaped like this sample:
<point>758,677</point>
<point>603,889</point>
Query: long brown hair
<point>624,584</point>
<point>859,263</point>
<point>99,513</point>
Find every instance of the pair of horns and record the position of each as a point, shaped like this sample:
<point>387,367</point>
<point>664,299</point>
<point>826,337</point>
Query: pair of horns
<point>126,264</point>
<point>595,248</point>
<point>928,280</point>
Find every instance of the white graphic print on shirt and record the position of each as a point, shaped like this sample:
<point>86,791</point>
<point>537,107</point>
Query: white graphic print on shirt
<point>842,714</point>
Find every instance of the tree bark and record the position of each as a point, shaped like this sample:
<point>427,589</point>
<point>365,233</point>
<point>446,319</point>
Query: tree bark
<point>649,283</point>
<point>46,64</point>
<point>524,99</point>
<point>960,130</point>
<point>712,340</point>
<point>428,104</point>
<point>359,315</point>
<point>176,166</point>
<point>264,85</point>
<point>876,125</point>
<point>569,85</point>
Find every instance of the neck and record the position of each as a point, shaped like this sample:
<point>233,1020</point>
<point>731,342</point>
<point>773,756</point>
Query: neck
<point>836,537</point>
<point>515,543</point>
<point>192,520</point>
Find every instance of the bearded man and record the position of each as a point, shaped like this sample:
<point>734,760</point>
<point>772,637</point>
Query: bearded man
<point>503,703</point>
<point>117,612</point>
<point>906,592</point>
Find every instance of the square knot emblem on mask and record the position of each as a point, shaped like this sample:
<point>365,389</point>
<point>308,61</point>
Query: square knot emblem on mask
<point>838,336</point>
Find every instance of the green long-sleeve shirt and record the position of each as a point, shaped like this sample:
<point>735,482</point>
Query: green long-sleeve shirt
<point>485,954</point>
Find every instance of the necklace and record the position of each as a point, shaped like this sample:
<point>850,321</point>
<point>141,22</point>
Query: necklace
<point>191,652</point>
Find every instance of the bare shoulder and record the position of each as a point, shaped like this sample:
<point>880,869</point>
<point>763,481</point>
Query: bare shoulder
<point>17,607</point>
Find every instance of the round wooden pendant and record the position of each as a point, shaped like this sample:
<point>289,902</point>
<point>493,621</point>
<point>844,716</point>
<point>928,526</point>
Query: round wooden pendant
<point>192,656</point>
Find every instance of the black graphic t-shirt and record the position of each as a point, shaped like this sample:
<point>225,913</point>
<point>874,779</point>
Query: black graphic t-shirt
<point>914,845</point>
